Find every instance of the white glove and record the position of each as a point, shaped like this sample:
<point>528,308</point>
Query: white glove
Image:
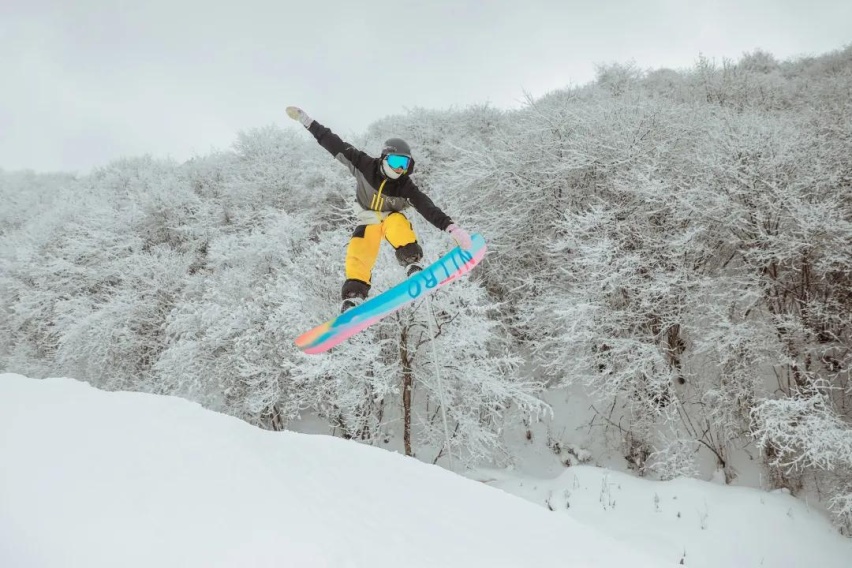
<point>298,114</point>
<point>460,235</point>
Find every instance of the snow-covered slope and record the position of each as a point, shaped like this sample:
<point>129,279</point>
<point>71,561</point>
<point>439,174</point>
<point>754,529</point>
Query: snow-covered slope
<point>706,525</point>
<point>92,478</point>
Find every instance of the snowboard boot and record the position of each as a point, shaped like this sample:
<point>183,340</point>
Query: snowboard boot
<point>410,257</point>
<point>353,293</point>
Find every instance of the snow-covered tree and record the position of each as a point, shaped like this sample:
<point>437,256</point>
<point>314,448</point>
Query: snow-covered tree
<point>674,243</point>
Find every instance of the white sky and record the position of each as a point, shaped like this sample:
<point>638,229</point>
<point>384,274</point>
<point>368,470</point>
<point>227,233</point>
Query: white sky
<point>84,82</point>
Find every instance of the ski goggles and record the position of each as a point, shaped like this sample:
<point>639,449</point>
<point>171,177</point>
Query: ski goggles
<point>397,161</point>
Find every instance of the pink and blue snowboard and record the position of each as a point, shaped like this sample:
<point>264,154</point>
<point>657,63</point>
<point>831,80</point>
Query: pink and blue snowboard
<point>449,267</point>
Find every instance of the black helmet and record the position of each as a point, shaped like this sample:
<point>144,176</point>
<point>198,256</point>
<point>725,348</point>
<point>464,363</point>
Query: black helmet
<point>398,146</point>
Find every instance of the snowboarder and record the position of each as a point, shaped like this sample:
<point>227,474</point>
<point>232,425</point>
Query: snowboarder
<point>383,190</point>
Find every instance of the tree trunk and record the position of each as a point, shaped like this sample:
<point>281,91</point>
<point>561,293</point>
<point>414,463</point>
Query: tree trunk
<point>407,385</point>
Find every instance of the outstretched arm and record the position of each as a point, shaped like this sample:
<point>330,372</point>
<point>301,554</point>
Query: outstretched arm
<point>345,153</point>
<point>434,215</point>
<point>421,202</point>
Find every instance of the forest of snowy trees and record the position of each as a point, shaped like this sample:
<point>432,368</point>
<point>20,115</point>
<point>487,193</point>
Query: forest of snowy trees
<point>677,244</point>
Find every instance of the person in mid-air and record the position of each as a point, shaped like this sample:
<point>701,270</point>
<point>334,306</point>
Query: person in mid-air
<point>383,190</point>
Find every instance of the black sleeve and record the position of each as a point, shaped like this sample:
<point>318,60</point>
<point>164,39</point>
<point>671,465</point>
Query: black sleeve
<point>351,157</point>
<point>424,205</point>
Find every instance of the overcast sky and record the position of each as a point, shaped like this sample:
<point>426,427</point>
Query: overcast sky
<point>83,82</point>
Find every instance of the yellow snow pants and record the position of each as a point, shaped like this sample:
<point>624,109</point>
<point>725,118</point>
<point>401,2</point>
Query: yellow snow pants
<point>363,248</point>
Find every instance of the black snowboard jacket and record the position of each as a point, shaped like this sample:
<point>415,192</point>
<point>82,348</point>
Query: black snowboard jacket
<point>374,191</point>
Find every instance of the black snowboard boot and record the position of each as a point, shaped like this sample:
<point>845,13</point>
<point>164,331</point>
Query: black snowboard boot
<point>410,257</point>
<point>353,292</point>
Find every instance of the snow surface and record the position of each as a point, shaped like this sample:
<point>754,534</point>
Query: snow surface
<point>705,524</point>
<point>93,478</point>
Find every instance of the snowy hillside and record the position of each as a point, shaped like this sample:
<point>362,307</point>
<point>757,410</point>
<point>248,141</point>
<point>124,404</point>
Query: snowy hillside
<point>666,292</point>
<point>704,524</point>
<point>93,478</point>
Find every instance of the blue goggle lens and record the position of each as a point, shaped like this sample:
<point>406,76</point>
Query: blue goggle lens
<point>396,161</point>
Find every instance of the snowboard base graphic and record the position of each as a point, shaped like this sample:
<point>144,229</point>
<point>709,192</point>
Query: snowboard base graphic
<point>449,267</point>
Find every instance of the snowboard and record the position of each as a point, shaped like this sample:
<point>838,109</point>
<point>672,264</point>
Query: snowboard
<point>446,269</point>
